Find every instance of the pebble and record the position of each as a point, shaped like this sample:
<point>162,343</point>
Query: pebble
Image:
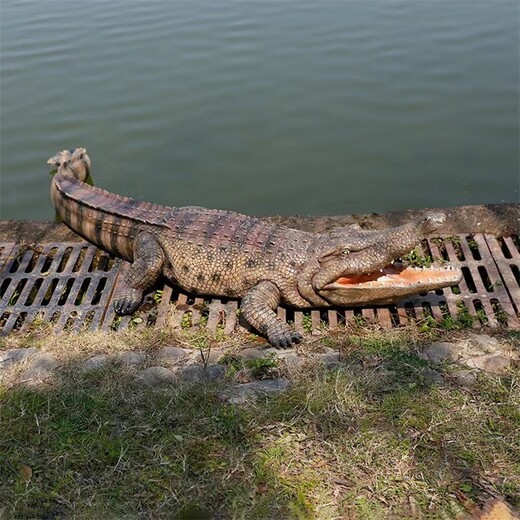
<point>294,361</point>
<point>15,355</point>
<point>441,351</point>
<point>330,359</point>
<point>131,357</point>
<point>192,373</point>
<point>494,364</point>
<point>279,353</point>
<point>240,394</point>
<point>199,373</point>
<point>213,355</point>
<point>432,377</point>
<point>96,362</point>
<point>479,344</point>
<point>172,355</point>
<point>214,372</point>
<point>40,369</point>
<point>252,353</point>
<point>466,378</point>
<point>155,376</point>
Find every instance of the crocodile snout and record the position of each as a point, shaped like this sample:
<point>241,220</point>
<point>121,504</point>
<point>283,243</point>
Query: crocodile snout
<point>432,221</point>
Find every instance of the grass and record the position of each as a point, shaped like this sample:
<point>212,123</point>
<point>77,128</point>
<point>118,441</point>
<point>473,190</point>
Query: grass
<point>372,439</point>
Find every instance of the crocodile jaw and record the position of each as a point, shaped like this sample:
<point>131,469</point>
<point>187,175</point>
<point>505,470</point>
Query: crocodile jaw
<point>388,284</point>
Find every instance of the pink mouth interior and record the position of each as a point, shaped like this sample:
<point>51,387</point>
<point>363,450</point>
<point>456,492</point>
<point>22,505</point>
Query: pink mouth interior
<point>395,273</point>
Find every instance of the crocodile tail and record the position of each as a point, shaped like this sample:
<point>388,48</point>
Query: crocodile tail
<point>108,220</point>
<point>75,163</point>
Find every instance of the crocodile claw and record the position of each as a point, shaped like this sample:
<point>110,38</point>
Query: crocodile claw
<point>128,302</point>
<point>283,338</point>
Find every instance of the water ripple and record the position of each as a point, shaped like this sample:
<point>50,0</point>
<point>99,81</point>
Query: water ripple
<point>266,107</point>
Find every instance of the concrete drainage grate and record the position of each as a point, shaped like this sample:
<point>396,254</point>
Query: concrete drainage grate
<point>67,284</point>
<point>71,286</point>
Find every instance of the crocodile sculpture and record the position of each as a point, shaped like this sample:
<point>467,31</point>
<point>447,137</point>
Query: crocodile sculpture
<point>222,253</point>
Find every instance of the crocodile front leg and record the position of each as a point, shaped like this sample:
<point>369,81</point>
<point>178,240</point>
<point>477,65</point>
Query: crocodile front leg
<point>258,307</point>
<point>143,273</point>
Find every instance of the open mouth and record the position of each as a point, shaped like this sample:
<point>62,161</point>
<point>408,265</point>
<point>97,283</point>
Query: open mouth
<point>399,275</point>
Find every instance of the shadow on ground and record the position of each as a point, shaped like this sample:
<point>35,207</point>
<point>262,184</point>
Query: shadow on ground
<point>370,437</point>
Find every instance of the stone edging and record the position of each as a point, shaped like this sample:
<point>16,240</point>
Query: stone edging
<point>170,365</point>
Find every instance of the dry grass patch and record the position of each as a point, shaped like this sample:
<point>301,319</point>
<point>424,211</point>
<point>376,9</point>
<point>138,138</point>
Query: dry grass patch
<point>371,439</point>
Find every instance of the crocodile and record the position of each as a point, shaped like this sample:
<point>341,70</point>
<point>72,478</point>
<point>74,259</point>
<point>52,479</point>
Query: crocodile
<point>222,253</point>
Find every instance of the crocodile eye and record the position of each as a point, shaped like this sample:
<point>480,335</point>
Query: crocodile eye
<point>345,252</point>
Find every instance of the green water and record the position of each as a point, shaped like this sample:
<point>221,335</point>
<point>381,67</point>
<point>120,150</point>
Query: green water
<point>279,107</point>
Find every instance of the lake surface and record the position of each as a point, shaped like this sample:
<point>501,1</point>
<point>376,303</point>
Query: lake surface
<point>265,107</point>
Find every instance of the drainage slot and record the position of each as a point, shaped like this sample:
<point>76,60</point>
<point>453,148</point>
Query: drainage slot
<point>324,317</point>
<point>342,318</point>
<point>394,315</point>
<point>469,280</point>
<point>500,314</point>
<point>426,248</point>
<point>34,292</point>
<point>64,260</point>
<point>116,322</point>
<point>485,278</point>
<point>204,313</point>
<point>49,257</point>
<point>503,246</point>
<point>445,311</point>
<point>99,291</point>
<point>89,318</point>
<point>516,273</point>
<point>50,291</point>
<point>455,242</point>
<point>410,310</point>
<point>5,286</point>
<point>3,319</point>
<point>79,260</point>
<point>455,289</point>
<point>187,322</point>
<point>289,315</point>
<point>151,320</point>
<point>516,241</point>
<point>32,261</point>
<point>19,321</point>
<point>442,248</point>
<point>306,321</point>
<point>427,309</point>
<point>175,295</point>
<point>221,319</point>
<point>17,261</point>
<point>463,314</point>
<point>473,247</point>
<point>101,262</point>
<point>70,320</point>
<point>358,315</point>
<point>481,312</point>
<point>16,294</point>
<point>66,291</point>
<point>80,298</point>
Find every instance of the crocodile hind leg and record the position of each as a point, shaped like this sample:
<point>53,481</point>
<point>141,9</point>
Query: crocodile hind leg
<point>142,274</point>
<point>258,307</point>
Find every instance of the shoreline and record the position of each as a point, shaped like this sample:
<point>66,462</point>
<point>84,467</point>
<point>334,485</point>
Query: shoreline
<point>495,219</point>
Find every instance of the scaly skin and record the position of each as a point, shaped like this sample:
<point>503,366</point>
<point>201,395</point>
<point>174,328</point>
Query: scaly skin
<point>222,253</point>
